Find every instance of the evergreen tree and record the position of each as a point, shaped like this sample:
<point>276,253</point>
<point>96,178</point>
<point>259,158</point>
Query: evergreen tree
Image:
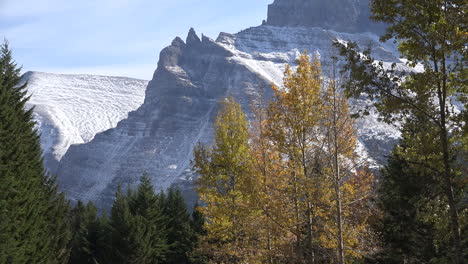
<point>432,34</point>
<point>137,227</point>
<point>144,228</point>
<point>406,237</point>
<point>33,215</point>
<point>121,244</point>
<point>198,228</point>
<point>87,232</point>
<point>58,218</point>
<point>412,201</point>
<point>180,235</point>
<point>198,221</point>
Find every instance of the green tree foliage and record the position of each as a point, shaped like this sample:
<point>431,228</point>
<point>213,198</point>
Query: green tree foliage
<point>199,230</point>
<point>137,230</point>
<point>180,234</point>
<point>432,34</point>
<point>405,235</point>
<point>413,203</point>
<point>87,234</point>
<point>143,227</point>
<point>33,226</point>
<point>198,221</point>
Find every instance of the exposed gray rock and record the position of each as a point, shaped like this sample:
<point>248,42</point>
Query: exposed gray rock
<point>182,101</point>
<point>180,105</point>
<point>192,38</point>
<point>338,15</point>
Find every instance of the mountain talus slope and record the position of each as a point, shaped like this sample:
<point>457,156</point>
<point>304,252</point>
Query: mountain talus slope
<point>182,100</point>
<point>72,109</point>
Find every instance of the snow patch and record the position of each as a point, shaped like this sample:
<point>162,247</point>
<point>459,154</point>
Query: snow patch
<point>72,109</point>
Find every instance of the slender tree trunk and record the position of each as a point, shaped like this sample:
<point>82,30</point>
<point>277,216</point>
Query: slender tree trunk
<point>270,258</point>
<point>339,213</point>
<point>298,217</point>
<point>341,257</point>
<point>448,188</point>
<point>310,243</point>
<point>452,204</point>
<point>269,236</point>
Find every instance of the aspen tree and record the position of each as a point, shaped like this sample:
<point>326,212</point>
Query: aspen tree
<point>226,185</point>
<point>293,120</point>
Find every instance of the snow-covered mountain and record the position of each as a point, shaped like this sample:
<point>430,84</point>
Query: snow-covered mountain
<point>72,109</point>
<point>191,78</point>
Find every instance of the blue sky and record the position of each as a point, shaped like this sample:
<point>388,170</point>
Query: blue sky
<point>114,37</point>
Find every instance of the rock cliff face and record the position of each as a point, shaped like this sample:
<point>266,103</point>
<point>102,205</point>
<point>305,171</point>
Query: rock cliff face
<point>182,100</point>
<point>338,15</point>
<point>180,105</point>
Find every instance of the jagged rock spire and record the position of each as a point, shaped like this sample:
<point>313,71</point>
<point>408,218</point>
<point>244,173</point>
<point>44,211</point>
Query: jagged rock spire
<point>192,37</point>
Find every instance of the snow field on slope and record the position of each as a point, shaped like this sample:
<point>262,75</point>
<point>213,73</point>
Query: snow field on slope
<point>72,109</point>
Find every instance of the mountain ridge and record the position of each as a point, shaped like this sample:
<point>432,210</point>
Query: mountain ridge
<point>181,103</point>
<point>182,99</point>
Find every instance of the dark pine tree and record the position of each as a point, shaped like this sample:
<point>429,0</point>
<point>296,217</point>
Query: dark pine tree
<point>405,237</point>
<point>87,231</point>
<point>137,227</point>
<point>180,235</point>
<point>411,199</point>
<point>198,227</point>
<point>33,226</point>
<point>145,205</point>
<point>120,231</point>
<point>198,221</point>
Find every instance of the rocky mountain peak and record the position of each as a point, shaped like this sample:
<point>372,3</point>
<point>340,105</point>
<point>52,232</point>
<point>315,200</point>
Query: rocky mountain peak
<point>178,42</point>
<point>192,37</point>
<point>339,15</point>
<point>193,75</point>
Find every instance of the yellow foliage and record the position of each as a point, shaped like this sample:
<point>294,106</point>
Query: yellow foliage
<point>227,187</point>
<point>271,194</point>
